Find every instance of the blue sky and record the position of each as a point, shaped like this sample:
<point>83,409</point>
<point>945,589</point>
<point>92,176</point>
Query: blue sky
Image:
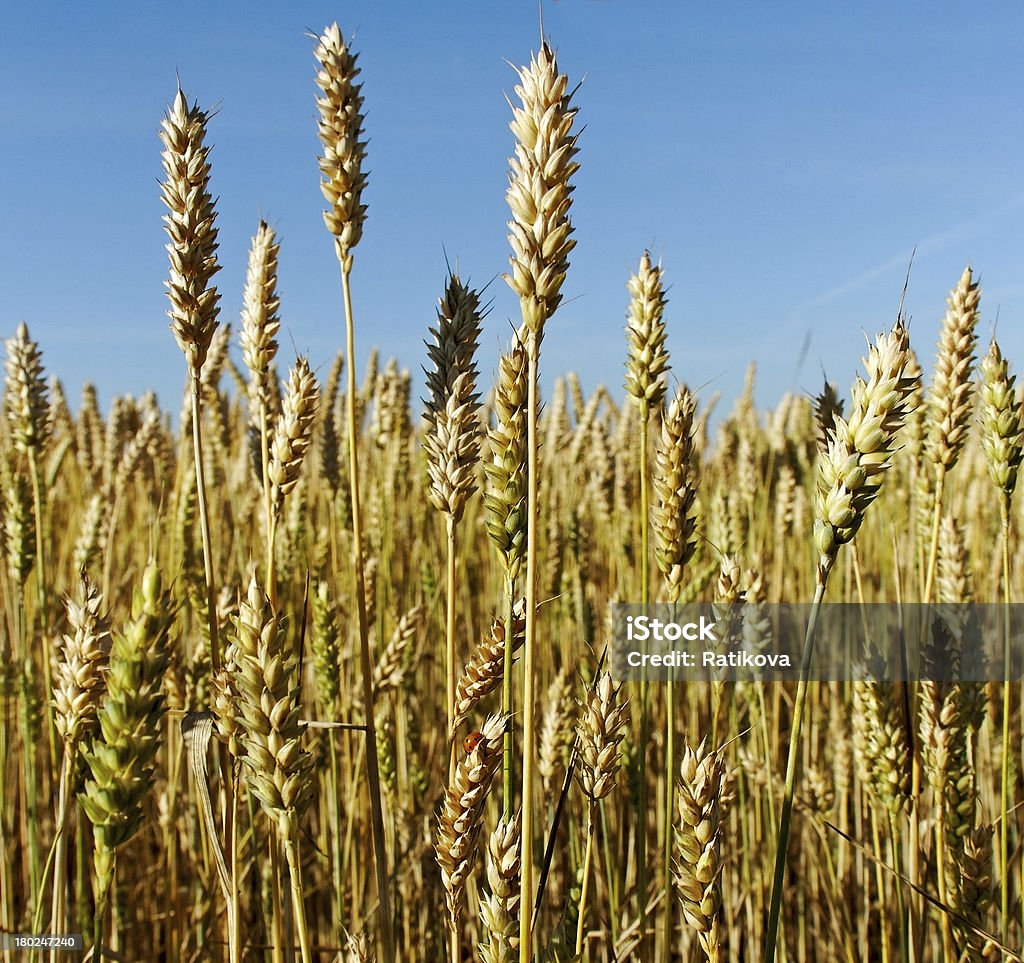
<point>782,159</point>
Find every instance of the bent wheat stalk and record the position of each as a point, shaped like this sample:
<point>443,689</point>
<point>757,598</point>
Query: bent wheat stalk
<point>850,474</point>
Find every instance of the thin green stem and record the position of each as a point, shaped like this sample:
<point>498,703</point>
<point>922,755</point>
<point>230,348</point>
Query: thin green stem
<point>879,861</point>
<point>29,736</point>
<point>99,918</point>
<point>204,526</point>
<point>272,562</point>
<point>234,933</point>
<point>933,549</point>
<point>335,830</point>
<point>782,844</point>
<point>529,669</point>
<point>581,924</point>
<point>901,902</point>
<point>667,822</point>
<point>58,857</point>
<point>506,699</point>
<point>277,914</point>
<point>670,768</point>
<point>298,899</point>
<point>449,638</point>
<point>38,502</point>
<point>1004,794</point>
<point>372,765</point>
<point>645,598</point>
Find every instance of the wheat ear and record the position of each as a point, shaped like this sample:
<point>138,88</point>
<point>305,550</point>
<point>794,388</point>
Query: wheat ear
<point>539,196</point>
<point>850,474</point>
<point>343,179</point>
<point>121,754</point>
<point>646,374</point>
<point>260,324</point>
<point>505,501</point>
<point>192,251</point>
<point>292,437</point>
<point>601,728</point>
<point>278,770</point>
<point>950,398</point>
<point>27,409</point>
<point>460,819</point>
<point>78,688</point>
<point>499,910</point>
<point>452,439</point>
<point>699,859</point>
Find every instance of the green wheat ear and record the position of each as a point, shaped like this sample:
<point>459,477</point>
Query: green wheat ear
<point>120,757</point>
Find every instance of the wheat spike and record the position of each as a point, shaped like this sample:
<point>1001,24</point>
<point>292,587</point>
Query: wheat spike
<point>950,396</point>
<point>1002,423</point>
<point>293,433</point>
<point>699,862</point>
<point>486,668</point>
<point>600,730</point>
<point>341,131</point>
<point>675,487</point>
<point>79,678</point>
<point>499,910</point>
<point>390,669</point>
<point>461,813</point>
<point>190,226</point>
<point>505,497</point>
<point>539,192</point>
<point>120,755</point>
<point>851,468</point>
<point>452,438</point>
<point>25,398</point>
<point>278,769</point>
<point>647,359</point>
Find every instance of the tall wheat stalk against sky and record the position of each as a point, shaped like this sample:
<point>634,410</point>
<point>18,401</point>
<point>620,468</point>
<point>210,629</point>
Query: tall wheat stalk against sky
<point>343,181</point>
<point>539,195</point>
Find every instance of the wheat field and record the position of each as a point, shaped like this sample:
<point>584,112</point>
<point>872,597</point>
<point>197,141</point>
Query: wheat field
<point>309,671</point>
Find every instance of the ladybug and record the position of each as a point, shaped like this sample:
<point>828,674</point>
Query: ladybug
<point>472,741</point>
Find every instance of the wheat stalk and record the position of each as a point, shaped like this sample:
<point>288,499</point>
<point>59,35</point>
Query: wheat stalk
<point>849,478</point>
<point>539,196</point>
<point>1002,427</point>
<point>343,179</point>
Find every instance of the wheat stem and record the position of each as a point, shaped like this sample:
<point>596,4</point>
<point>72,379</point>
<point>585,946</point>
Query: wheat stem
<point>506,699</point>
<point>1004,790</point>
<point>449,634</point>
<point>298,899</point>
<point>372,764</point>
<point>584,892</point>
<point>771,933</point>
<point>529,669</point>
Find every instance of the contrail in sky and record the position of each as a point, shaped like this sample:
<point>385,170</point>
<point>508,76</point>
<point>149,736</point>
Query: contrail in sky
<point>930,244</point>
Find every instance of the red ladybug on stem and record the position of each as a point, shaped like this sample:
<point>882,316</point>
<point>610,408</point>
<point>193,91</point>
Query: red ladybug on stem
<point>472,741</point>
